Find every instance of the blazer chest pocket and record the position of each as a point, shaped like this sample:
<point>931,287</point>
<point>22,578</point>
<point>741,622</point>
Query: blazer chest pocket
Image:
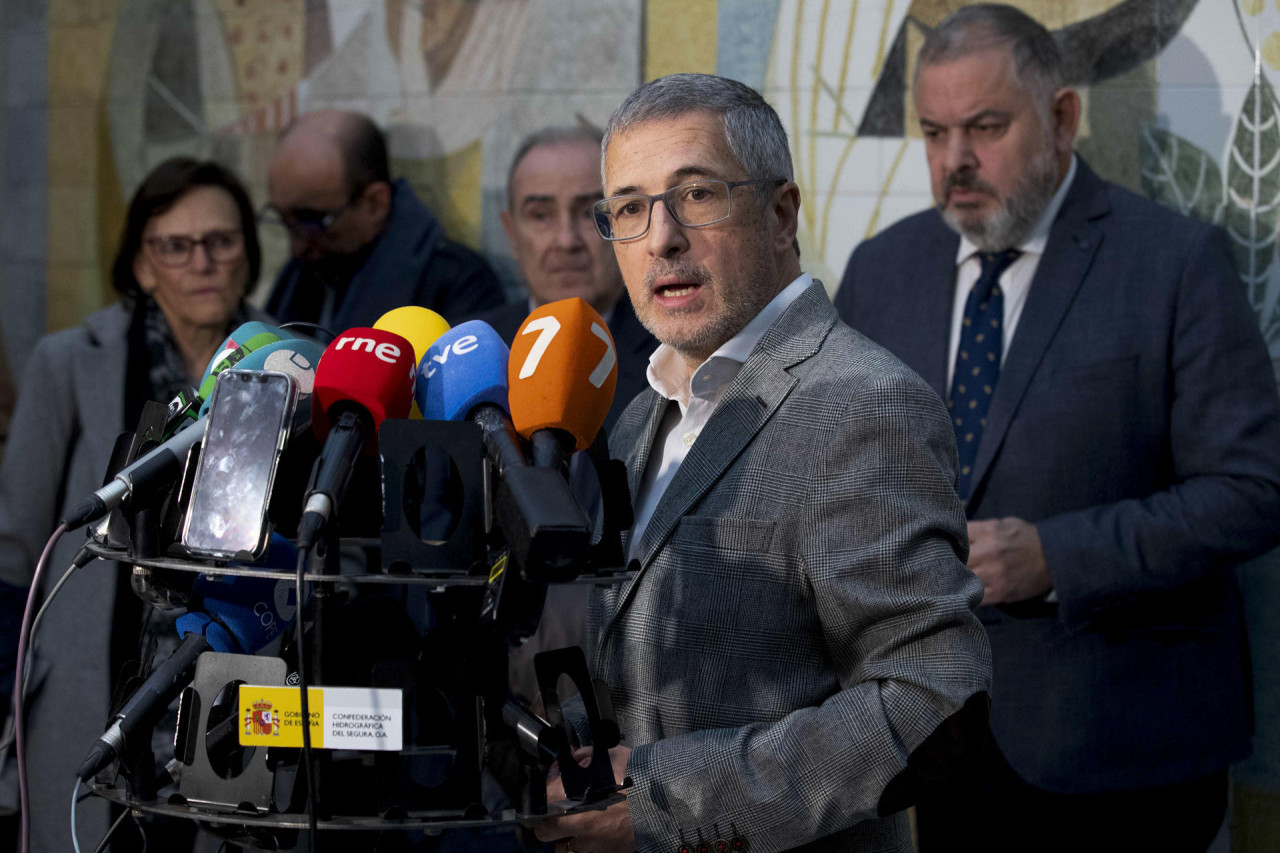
<point>727,535</point>
<point>1081,373</point>
<point>712,572</point>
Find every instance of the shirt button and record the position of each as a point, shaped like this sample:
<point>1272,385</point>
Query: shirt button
<point>690,438</point>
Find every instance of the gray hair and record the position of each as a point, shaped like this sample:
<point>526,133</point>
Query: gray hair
<point>1037,59</point>
<point>752,129</point>
<point>557,135</point>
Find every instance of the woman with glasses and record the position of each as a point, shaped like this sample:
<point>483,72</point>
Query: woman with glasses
<point>188,256</point>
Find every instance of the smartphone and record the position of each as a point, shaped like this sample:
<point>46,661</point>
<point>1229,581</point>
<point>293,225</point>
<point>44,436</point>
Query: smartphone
<point>249,421</point>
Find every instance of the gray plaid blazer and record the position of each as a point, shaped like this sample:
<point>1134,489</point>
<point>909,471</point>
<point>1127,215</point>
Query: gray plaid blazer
<point>802,618</point>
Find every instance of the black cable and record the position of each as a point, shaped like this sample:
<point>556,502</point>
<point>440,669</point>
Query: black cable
<point>141,831</point>
<point>313,327</point>
<point>102,845</point>
<point>307,760</point>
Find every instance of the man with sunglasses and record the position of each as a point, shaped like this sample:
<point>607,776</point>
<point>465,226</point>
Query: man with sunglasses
<point>361,244</point>
<point>797,652</point>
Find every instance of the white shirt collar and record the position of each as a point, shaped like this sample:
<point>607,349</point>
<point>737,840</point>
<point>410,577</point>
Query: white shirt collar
<point>1038,238</point>
<point>670,376</point>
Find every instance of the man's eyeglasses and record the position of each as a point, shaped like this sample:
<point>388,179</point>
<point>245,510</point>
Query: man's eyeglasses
<point>693,205</point>
<point>303,221</point>
<point>175,250</point>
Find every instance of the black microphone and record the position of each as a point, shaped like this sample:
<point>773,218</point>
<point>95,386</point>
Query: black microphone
<point>146,706</point>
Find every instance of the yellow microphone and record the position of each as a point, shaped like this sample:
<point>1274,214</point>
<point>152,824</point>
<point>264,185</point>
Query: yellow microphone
<point>420,327</point>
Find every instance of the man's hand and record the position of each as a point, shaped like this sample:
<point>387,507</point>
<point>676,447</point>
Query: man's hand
<point>1006,555</point>
<point>605,831</point>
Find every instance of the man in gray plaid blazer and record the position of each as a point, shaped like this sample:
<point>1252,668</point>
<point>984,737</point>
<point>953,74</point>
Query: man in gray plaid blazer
<point>797,656</point>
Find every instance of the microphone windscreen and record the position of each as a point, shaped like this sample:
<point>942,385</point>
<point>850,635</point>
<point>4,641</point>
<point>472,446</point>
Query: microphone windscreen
<point>465,367</point>
<point>246,338</point>
<point>297,357</point>
<point>563,371</point>
<point>419,326</point>
<point>369,370</point>
<point>251,611</point>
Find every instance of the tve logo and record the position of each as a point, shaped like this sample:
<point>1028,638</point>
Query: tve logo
<point>462,346</point>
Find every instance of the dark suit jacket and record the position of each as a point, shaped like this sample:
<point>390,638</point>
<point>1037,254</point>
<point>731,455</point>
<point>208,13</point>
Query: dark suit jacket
<point>633,342</point>
<point>801,620</point>
<point>412,263</point>
<point>1136,423</point>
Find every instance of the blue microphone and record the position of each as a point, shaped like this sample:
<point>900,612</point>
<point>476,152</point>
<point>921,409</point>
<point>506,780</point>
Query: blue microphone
<point>234,614</point>
<point>240,614</point>
<point>463,376</point>
<point>464,368</point>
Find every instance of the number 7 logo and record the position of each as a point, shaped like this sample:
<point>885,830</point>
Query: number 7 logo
<point>547,328</point>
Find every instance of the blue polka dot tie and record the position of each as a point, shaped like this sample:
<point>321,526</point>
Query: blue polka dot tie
<point>978,361</point>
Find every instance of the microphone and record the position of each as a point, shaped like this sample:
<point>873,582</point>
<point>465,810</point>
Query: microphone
<point>163,463</point>
<point>237,615</point>
<point>159,466</point>
<point>563,373</point>
<point>463,376</point>
<point>365,376</point>
<point>297,357</point>
<point>247,338</point>
<point>420,327</point>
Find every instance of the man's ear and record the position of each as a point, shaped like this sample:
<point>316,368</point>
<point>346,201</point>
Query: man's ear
<point>377,197</point>
<point>786,210</point>
<point>1066,119</point>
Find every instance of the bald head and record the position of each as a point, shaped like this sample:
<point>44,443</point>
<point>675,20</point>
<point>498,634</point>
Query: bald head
<point>331,162</point>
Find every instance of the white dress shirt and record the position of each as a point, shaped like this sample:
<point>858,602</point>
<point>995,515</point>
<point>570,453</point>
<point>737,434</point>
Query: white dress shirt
<point>1015,282</point>
<point>696,393</point>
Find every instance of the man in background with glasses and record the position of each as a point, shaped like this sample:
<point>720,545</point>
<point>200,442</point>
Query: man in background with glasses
<point>801,622</point>
<point>361,244</point>
<point>553,183</point>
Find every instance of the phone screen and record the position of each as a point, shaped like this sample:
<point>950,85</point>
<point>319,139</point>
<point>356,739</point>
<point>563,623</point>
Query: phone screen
<point>248,423</point>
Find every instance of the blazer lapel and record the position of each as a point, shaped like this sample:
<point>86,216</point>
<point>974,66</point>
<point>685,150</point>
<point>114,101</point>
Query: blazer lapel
<point>927,343</point>
<point>1073,242</point>
<point>748,403</point>
<point>99,381</point>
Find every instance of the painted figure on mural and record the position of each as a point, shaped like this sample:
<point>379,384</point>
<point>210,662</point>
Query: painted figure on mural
<point>1119,438</point>
<point>361,243</point>
<point>797,654</point>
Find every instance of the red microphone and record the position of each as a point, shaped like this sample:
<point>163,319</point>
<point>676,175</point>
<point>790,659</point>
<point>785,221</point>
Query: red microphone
<point>364,377</point>
<point>562,375</point>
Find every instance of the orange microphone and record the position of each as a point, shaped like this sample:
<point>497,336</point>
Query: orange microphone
<point>561,378</point>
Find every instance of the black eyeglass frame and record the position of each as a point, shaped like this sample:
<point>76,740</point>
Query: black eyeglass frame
<point>600,213</point>
<point>204,240</point>
<point>268,215</point>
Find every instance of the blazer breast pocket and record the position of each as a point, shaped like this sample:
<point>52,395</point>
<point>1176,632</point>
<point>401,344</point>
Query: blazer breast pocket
<point>725,569</point>
<point>1123,367</point>
<point>727,534</point>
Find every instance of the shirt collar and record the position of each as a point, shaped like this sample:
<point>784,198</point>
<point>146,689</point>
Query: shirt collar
<point>670,376</point>
<point>1035,241</point>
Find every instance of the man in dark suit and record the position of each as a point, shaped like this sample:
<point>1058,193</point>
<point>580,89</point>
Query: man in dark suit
<point>1119,442</point>
<point>796,653</point>
<point>553,182</point>
<point>361,244</point>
